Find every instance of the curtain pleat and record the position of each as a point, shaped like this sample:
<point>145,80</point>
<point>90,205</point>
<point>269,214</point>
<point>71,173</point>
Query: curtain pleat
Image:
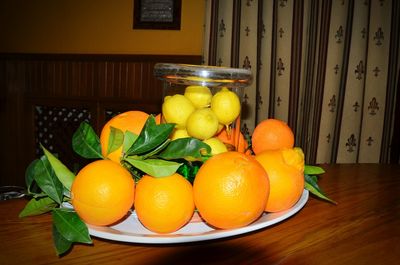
<point>341,34</point>
<point>248,59</point>
<point>393,84</point>
<point>265,59</point>
<point>326,67</point>
<point>377,62</point>
<point>295,64</point>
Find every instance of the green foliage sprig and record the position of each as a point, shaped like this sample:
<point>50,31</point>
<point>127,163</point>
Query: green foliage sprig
<point>49,184</point>
<point>49,181</point>
<point>311,182</point>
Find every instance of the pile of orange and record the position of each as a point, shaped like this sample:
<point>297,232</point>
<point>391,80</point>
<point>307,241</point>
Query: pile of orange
<point>272,143</point>
<point>231,189</point>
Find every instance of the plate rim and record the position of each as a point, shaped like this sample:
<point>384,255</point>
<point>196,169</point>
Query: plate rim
<point>112,233</point>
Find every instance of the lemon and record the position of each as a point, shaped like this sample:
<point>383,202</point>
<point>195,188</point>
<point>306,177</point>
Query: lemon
<point>217,146</point>
<point>200,96</point>
<point>226,106</point>
<point>176,109</point>
<point>179,133</point>
<point>220,127</point>
<point>202,124</point>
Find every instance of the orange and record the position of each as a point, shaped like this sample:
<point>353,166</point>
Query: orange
<point>165,204</point>
<point>285,169</point>
<point>272,134</point>
<point>231,190</point>
<point>158,118</point>
<point>233,144</point>
<point>234,140</point>
<point>132,121</point>
<point>102,192</point>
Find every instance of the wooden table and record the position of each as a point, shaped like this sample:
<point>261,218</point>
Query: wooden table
<point>364,228</point>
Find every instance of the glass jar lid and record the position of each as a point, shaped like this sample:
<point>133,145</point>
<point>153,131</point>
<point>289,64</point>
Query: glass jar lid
<point>211,76</point>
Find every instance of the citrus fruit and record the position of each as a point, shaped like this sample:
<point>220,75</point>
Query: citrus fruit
<point>217,146</point>
<point>226,106</point>
<point>235,141</point>
<point>231,190</point>
<point>294,157</point>
<point>179,133</point>
<point>200,96</point>
<point>220,127</point>
<point>132,121</point>
<point>285,171</point>
<point>102,192</point>
<point>165,204</point>
<point>202,124</point>
<point>176,109</point>
<point>272,134</point>
<point>158,118</point>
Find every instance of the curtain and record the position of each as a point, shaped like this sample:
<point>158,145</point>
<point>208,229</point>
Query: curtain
<point>329,68</point>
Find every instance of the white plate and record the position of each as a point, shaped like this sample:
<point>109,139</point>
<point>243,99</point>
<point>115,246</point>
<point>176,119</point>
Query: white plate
<point>131,230</point>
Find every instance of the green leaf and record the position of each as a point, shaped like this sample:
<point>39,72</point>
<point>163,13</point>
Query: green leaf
<point>38,206</point>
<point>312,186</point>
<point>61,244</point>
<point>313,170</point>
<point>185,147</point>
<point>129,139</point>
<point>189,170</point>
<point>70,226</point>
<point>115,140</point>
<point>47,180</point>
<point>151,136</point>
<point>62,172</point>
<point>30,173</point>
<point>86,143</point>
<point>31,185</point>
<point>156,150</point>
<point>313,179</point>
<point>154,167</point>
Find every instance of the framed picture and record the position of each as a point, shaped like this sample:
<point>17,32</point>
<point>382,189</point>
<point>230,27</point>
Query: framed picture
<point>157,14</point>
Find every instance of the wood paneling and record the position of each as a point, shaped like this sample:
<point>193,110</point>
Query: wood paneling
<point>68,83</point>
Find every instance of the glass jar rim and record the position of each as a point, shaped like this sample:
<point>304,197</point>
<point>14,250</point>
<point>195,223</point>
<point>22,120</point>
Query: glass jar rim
<point>205,75</point>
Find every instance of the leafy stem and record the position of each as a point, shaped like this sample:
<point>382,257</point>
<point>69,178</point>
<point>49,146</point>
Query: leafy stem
<point>151,152</point>
<point>311,182</point>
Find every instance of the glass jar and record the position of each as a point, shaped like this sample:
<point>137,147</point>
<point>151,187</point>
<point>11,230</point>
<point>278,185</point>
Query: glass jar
<point>198,92</point>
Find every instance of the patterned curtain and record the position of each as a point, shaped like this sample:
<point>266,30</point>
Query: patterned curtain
<point>329,68</point>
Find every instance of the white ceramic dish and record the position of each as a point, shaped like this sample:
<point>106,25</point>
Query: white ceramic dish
<point>131,230</point>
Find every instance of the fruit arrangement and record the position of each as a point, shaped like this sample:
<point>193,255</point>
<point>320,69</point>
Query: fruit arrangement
<point>201,115</point>
<point>190,158</point>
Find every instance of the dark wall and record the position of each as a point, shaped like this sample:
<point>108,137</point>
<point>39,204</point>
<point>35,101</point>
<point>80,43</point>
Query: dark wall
<point>44,97</point>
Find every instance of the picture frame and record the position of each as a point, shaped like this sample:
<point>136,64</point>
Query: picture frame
<point>157,14</point>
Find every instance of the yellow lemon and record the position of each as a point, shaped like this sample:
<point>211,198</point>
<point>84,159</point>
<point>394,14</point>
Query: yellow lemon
<point>217,146</point>
<point>202,124</point>
<point>179,133</point>
<point>200,96</point>
<point>226,106</point>
<point>176,109</point>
